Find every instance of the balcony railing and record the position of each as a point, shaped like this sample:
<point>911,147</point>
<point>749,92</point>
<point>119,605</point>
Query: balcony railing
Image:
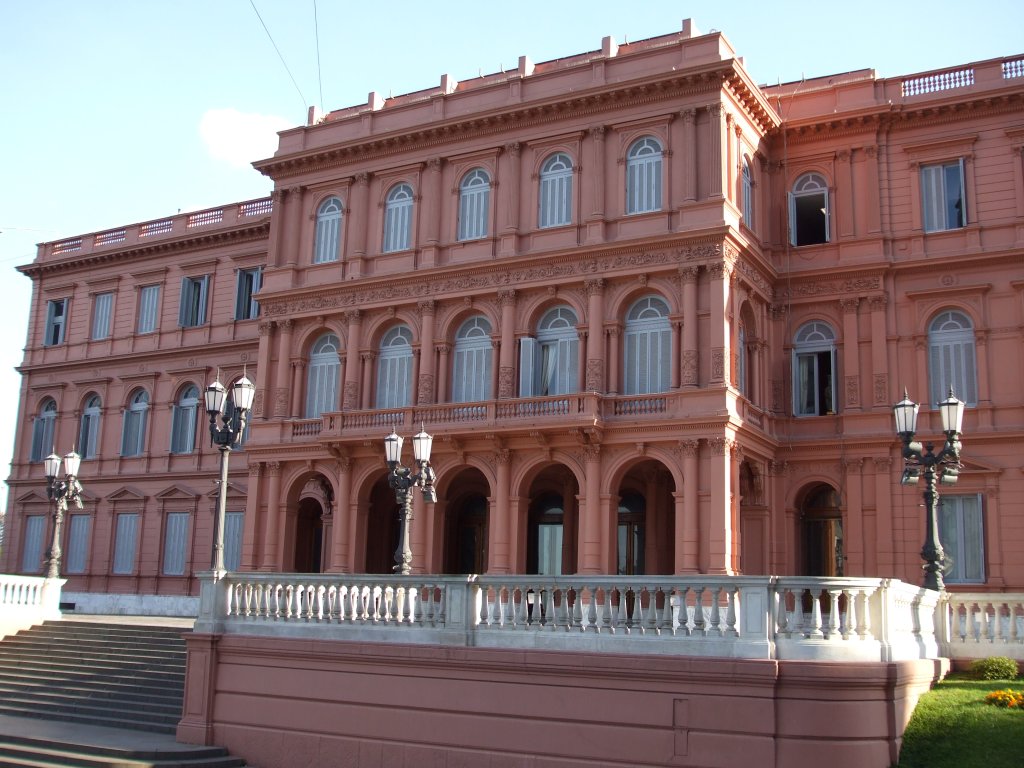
<point>27,600</point>
<point>738,617</point>
<point>979,624</point>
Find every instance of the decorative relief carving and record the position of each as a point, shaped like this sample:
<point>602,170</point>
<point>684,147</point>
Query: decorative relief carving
<point>849,306</point>
<point>274,468</point>
<point>688,274</point>
<point>853,285</point>
<point>351,395</point>
<point>425,391</point>
<point>877,302</point>
<point>688,114</point>
<point>776,395</point>
<point>264,328</point>
<point>281,401</point>
<point>755,277</point>
<point>507,297</point>
<point>718,363</point>
<point>427,307</point>
<point>881,389</point>
<point>720,446</point>
<point>503,456</point>
<point>597,132</point>
<point>506,382</point>
<point>852,390</point>
<point>686,448</point>
<point>256,469</point>
<point>777,468</point>
<point>258,403</point>
<point>595,375</point>
<point>691,359</point>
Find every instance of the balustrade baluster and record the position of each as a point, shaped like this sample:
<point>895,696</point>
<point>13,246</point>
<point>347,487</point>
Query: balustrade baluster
<point>575,616</point>
<point>680,614</point>
<point>850,626</point>
<point>814,630</point>
<point>730,612</point>
<point>699,626</point>
<point>781,612</point>
<point>716,617</point>
<point>1015,612</point>
<point>983,622</point>
<point>833,613</point>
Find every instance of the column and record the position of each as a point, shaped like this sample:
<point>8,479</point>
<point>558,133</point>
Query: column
<point>298,377</point>
<point>360,216</point>
<point>853,532</point>
<point>689,154</point>
<point>733,498</point>
<point>282,405</point>
<point>851,356</point>
<point>595,324</point>
<point>499,529</point>
<point>341,544</point>
<point>591,526</point>
<point>719,289</point>
<point>293,235</point>
<point>275,240</point>
<point>690,356</point>
<point>595,202</point>
<point>677,352</point>
<point>350,398</point>
<point>425,386</point>
<point>879,347</point>
<point>507,353</point>
<point>716,163</point>
<point>720,518</point>
<point>367,359</point>
<point>252,517</point>
<point>845,224</point>
<point>508,195</point>
<point>271,551</point>
<point>432,194</point>
<point>614,353</point>
<point>264,375</point>
<point>687,511</point>
<point>443,368</point>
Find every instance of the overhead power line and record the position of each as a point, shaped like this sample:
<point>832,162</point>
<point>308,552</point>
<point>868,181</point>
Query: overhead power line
<point>305,104</point>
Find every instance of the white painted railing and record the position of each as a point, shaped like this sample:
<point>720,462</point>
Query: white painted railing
<point>741,617</point>
<point>979,624</point>
<point>26,601</point>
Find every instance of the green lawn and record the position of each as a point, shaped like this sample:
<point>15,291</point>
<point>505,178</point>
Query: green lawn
<point>953,726</point>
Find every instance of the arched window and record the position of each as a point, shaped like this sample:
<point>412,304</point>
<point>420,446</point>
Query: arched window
<point>555,207</point>
<point>809,211</point>
<point>643,176</point>
<point>648,346</point>
<point>183,420</point>
<point>474,204</point>
<point>549,364</point>
<point>951,359</point>
<point>748,195</point>
<point>328,231</point>
<point>394,368</point>
<point>89,432</point>
<point>42,430</point>
<point>814,365</point>
<point>133,433</point>
<point>741,361</point>
<point>471,366</point>
<point>323,376</point>
<point>398,219</point>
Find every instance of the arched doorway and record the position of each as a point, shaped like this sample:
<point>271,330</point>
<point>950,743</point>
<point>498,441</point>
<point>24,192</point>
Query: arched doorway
<point>552,522</point>
<point>381,528</point>
<point>645,521</point>
<point>632,527</point>
<point>821,532</point>
<point>465,548</point>
<point>309,537</point>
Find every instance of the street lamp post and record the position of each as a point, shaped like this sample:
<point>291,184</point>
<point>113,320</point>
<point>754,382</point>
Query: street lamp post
<point>60,491</point>
<point>225,436</point>
<point>402,479</point>
<point>943,467</point>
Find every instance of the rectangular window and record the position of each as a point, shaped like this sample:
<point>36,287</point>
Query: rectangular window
<point>233,525</point>
<point>249,281</point>
<point>962,534</point>
<point>56,315</point>
<point>175,543</point>
<point>149,301</point>
<point>942,196</point>
<point>813,388</point>
<point>32,555</point>
<point>124,543</point>
<point>102,307</point>
<point>192,311</point>
<point>78,544</point>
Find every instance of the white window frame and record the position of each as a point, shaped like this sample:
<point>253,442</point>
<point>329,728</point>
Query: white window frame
<point>133,431</point>
<point>472,361</point>
<point>747,183</point>
<point>322,378</point>
<point>327,239</point>
<point>184,414</point>
<point>394,368</point>
<point>102,315</point>
<point>32,544</point>
<point>549,364</point>
<point>962,534</point>
<point>249,282</point>
<point>810,194</point>
<point>644,174</point>
<point>125,539</point>
<point>149,306</point>
<point>56,322</point>
<point>175,554</point>
<point>555,192</point>
<point>234,526</point>
<point>939,197</point>
<point>814,344</point>
<point>43,428</point>
<point>398,219</point>
<point>77,558</point>
<point>474,204</point>
<point>952,360</point>
<point>89,427</point>
<point>192,310</point>
<point>741,362</point>
<point>647,350</point>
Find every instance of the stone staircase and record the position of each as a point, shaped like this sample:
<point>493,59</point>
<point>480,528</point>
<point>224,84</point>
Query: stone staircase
<point>95,678</point>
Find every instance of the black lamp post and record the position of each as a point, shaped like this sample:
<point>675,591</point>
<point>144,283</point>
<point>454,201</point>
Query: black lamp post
<point>60,491</point>
<point>402,479</point>
<point>225,436</point>
<point>943,467</point>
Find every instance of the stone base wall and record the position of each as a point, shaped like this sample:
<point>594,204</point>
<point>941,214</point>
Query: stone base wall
<point>130,605</point>
<point>299,703</point>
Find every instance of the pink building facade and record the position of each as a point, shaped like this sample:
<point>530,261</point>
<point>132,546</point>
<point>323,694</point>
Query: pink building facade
<point>654,328</point>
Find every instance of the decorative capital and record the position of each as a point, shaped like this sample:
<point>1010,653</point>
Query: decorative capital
<point>427,307</point>
<point>597,132</point>
<point>354,316</point>
<point>434,164</point>
<point>362,178</point>
<point>513,148</point>
<point>286,325</point>
<point>265,328</point>
<point>721,446</point>
<point>849,306</point>
<point>507,297</point>
<point>595,286</point>
<point>689,114</point>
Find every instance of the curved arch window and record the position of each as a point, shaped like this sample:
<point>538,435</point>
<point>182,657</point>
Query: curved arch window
<point>474,204</point>
<point>471,366</point>
<point>42,430</point>
<point>643,176</point>
<point>323,376</point>
<point>549,364</point>
<point>183,421</point>
<point>951,358</point>
<point>555,208</point>
<point>89,431</point>
<point>398,219</point>
<point>133,433</point>
<point>648,347</point>
<point>814,364</point>
<point>394,368</point>
<point>809,210</point>
<point>327,243</point>
<point>747,179</point>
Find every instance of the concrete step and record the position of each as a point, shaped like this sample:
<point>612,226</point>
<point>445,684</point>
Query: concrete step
<point>146,670</point>
<point>39,753</point>
<point>85,678</point>
<point>109,710</point>
<point>86,718</point>
<point>93,689</point>
<point>64,698</point>
<point>98,644</point>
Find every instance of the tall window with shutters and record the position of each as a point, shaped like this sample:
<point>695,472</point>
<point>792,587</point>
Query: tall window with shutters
<point>747,179</point>
<point>183,420</point>
<point>549,363</point>
<point>555,206</point>
<point>233,527</point>
<point>133,433</point>
<point>77,555</point>
<point>394,368</point>
<point>323,376</point>
<point>56,322</point>
<point>125,535</point>
<point>249,283</point>
<point>643,176</point>
<point>327,242</point>
<point>43,429</point>
<point>962,533</point>
<point>474,204</point>
<point>192,310</point>
<point>89,429</point>
<point>809,211</point>
<point>942,196</point>
<point>102,315</point>
<point>32,544</point>
<point>648,347</point>
<point>951,357</point>
<point>398,219</point>
<point>175,543</point>
<point>471,364</point>
<point>149,305</point>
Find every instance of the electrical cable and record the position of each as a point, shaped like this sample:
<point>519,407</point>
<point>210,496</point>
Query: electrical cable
<point>305,104</point>
<point>319,76</point>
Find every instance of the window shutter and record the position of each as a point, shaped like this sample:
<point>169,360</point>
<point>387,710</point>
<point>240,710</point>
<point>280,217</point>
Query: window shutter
<point>204,281</point>
<point>185,303</point>
<point>827,210</point>
<point>175,543</point>
<point>528,360</point>
<point>792,218</point>
<point>963,194</point>
<point>932,203</point>
<point>124,544</point>
<point>78,544</point>
<point>32,554</point>
<point>233,527</point>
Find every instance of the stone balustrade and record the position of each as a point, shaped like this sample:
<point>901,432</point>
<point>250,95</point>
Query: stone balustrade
<point>974,625</point>
<point>26,601</point>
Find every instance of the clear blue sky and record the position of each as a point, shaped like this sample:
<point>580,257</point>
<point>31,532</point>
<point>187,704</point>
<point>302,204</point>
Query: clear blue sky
<point>118,111</point>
